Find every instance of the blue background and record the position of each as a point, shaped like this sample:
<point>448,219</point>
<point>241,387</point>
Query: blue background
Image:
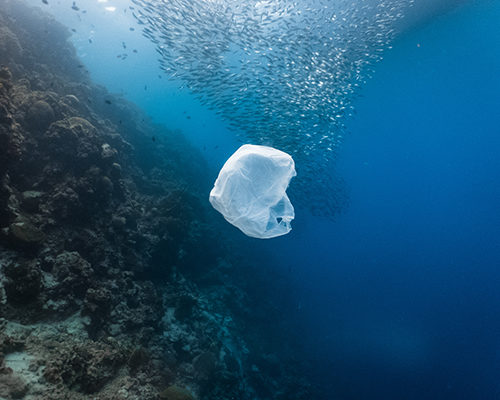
<point>400,296</point>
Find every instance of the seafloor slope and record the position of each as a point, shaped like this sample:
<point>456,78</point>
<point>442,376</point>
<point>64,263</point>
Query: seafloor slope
<point>114,281</point>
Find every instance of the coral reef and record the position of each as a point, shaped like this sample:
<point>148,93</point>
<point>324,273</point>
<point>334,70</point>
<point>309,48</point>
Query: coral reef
<point>115,283</point>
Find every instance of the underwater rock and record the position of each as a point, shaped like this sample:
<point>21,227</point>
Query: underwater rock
<point>30,200</point>
<point>65,203</point>
<point>9,344</point>
<point>5,117</point>
<point>71,100</point>
<point>10,47</point>
<point>23,282</point>
<point>116,170</point>
<point>73,273</point>
<point>97,305</point>
<point>176,393</point>
<point>205,364</point>
<point>6,213</point>
<point>107,151</point>
<point>232,363</point>
<point>70,277</point>
<point>93,247</point>
<point>40,115</point>
<point>106,186</point>
<point>5,89</point>
<point>5,74</point>
<point>12,386</point>
<point>138,357</point>
<point>118,222</point>
<point>184,309</point>
<point>71,138</point>
<point>142,308</point>
<point>95,191</point>
<point>25,233</point>
<point>11,137</point>
<point>85,367</point>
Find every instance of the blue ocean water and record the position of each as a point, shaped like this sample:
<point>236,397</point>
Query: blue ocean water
<point>398,297</point>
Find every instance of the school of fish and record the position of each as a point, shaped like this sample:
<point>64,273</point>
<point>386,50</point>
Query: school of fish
<point>282,73</point>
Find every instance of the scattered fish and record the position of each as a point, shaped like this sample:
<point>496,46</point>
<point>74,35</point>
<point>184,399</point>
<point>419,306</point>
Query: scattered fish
<point>75,7</point>
<point>107,101</point>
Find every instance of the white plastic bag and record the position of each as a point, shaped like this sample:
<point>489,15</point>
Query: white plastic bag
<point>250,191</point>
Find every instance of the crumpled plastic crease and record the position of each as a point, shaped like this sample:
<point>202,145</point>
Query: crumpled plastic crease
<point>250,191</point>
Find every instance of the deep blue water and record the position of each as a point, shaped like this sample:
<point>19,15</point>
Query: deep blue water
<point>398,297</point>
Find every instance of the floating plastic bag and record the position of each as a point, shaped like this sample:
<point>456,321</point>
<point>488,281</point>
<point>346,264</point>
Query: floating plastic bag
<point>250,191</point>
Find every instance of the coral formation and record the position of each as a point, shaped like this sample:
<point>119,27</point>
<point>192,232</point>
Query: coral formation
<point>114,281</point>
<point>176,393</point>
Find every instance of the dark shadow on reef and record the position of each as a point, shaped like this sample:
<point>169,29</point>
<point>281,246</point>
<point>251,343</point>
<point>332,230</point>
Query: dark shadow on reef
<point>116,280</point>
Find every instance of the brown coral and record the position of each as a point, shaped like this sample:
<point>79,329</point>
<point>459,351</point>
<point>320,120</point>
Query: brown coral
<point>176,393</point>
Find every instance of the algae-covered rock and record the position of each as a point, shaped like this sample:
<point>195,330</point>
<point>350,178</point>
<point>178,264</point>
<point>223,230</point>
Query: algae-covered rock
<point>138,357</point>
<point>23,282</point>
<point>118,222</point>
<point>85,367</point>
<point>5,74</point>
<point>74,140</point>
<point>65,203</point>
<point>185,305</point>
<point>116,170</point>
<point>40,115</point>
<point>71,100</point>
<point>205,364</point>
<point>73,273</point>
<point>97,305</point>
<point>107,151</point>
<point>9,44</point>
<point>175,392</point>
<point>24,232</point>
<point>9,344</point>
<point>12,386</point>
<point>30,200</point>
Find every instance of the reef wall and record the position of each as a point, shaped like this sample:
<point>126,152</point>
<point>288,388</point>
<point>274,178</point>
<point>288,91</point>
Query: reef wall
<point>116,282</point>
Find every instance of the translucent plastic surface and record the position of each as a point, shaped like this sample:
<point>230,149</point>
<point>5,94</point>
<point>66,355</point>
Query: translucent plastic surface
<point>250,191</point>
